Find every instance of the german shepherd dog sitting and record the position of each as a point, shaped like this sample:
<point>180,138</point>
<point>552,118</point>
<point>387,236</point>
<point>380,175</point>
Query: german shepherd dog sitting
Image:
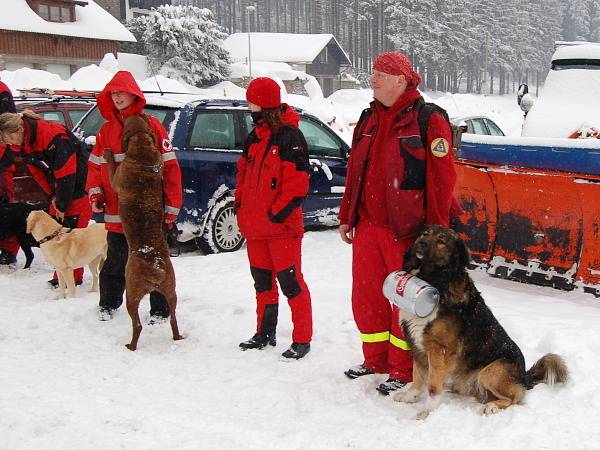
<point>138,183</point>
<point>461,345</point>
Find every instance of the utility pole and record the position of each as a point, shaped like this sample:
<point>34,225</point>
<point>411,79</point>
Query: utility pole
<point>249,9</point>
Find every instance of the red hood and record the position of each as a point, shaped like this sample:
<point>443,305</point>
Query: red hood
<point>122,81</point>
<point>3,87</point>
<point>288,116</point>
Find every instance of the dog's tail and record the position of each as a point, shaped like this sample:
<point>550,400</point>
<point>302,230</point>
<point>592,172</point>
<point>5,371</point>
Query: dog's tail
<point>549,369</point>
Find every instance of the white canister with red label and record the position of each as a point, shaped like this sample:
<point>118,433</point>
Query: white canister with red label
<point>410,294</point>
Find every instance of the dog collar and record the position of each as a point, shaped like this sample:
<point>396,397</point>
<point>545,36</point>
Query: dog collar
<point>55,234</point>
<point>154,169</point>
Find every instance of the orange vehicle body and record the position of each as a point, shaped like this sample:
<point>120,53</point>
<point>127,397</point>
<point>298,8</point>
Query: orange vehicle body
<point>531,224</point>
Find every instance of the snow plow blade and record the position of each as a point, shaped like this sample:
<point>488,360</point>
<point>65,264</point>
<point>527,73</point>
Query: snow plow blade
<point>531,212</point>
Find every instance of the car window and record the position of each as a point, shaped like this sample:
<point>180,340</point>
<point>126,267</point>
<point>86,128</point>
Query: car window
<point>90,125</point>
<point>165,115</point>
<point>76,116</point>
<point>213,130</point>
<point>55,116</point>
<point>494,129</point>
<point>476,126</point>
<point>92,122</point>
<point>320,142</point>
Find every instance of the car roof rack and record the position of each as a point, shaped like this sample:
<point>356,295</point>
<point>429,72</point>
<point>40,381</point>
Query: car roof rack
<point>55,93</point>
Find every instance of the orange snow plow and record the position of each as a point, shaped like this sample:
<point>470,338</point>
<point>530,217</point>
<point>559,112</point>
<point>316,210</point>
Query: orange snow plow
<point>532,209</point>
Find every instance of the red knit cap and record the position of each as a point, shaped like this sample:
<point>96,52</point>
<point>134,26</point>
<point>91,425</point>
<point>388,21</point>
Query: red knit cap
<point>396,63</point>
<point>264,92</point>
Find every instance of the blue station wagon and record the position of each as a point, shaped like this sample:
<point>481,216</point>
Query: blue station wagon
<point>207,136</point>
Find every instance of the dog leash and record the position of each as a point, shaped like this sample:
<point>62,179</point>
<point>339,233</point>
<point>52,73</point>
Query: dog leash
<point>55,234</point>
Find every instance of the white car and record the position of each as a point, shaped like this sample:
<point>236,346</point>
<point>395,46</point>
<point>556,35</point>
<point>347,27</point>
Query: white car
<point>478,125</point>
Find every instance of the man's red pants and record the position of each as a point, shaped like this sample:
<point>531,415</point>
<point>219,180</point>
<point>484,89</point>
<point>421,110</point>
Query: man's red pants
<point>376,253</point>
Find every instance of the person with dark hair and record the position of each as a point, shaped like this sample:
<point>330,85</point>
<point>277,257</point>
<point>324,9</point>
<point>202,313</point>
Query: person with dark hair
<point>54,158</point>
<point>8,247</point>
<point>7,103</point>
<point>398,180</point>
<point>271,184</point>
<point>121,98</point>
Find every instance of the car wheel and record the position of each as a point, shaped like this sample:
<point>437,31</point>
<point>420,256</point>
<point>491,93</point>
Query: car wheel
<point>221,233</point>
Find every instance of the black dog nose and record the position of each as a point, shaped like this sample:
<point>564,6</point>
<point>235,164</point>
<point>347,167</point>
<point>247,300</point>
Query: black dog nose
<point>422,245</point>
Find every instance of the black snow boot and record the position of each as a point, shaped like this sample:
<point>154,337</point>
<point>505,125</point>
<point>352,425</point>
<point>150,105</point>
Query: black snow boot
<point>258,341</point>
<point>266,335</point>
<point>296,351</point>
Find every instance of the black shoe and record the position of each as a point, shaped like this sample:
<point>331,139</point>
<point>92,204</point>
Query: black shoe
<point>258,341</point>
<point>7,257</point>
<point>105,314</point>
<point>358,371</point>
<point>296,351</point>
<point>54,282</point>
<point>390,385</point>
<point>156,319</point>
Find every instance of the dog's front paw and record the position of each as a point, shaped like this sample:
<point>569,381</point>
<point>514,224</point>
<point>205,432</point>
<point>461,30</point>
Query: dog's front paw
<point>409,396</point>
<point>490,408</point>
<point>59,296</point>
<point>423,415</point>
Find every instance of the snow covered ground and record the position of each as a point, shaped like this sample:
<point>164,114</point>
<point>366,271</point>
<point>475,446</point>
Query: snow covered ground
<point>69,382</point>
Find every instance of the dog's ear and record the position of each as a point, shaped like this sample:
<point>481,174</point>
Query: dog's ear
<point>30,222</point>
<point>462,253</point>
<point>125,142</point>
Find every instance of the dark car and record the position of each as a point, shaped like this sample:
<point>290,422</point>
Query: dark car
<point>208,136</point>
<point>68,112</point>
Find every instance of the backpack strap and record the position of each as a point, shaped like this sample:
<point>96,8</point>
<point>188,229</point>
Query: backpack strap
<point>424,110</point>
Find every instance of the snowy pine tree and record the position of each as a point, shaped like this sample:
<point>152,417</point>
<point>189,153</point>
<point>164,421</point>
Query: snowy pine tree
<point>185,42</point>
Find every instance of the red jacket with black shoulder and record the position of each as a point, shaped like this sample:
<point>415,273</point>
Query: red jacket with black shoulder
<point>272,181</point>
<point>56,163</point>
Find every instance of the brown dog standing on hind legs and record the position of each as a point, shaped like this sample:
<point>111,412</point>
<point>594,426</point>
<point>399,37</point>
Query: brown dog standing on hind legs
<point>138,183</point>
<point>461,345</point>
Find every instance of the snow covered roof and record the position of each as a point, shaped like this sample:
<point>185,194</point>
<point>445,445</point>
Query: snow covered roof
<point>280,47</point>
<point>92,22</point>
<point>577,51</point>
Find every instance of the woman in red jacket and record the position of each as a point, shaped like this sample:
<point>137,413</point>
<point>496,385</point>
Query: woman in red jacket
<point>119,99</point>
<point>54,159</point>
<point>272,181</point>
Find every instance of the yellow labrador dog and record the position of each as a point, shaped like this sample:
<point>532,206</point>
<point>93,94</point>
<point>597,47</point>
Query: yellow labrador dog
<point>67,249</point>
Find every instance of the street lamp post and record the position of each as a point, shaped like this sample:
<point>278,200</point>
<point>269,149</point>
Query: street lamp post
<point>249,9</point>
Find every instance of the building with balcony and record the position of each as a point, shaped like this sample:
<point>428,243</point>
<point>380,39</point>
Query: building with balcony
<point>59,36</point>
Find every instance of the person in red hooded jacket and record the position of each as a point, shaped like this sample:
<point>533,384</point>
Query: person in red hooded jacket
<point>395,184</point>
<point>119,99</point>
<point>55,160</point>
<point>271,184</point>
<point>8,247</point>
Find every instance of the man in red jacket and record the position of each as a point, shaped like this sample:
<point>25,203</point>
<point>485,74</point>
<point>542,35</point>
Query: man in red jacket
<point>121,98</point>
<point>395,184</point>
